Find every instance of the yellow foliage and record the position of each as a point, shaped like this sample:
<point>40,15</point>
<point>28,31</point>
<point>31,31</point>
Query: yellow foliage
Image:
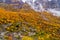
<point>27,38</point>
<point>39,38</point>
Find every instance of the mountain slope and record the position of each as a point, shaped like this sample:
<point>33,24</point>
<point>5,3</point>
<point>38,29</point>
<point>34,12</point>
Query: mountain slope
<point>30,23</point>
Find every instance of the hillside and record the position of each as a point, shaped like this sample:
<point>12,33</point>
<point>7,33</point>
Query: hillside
<point>29,24</point>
